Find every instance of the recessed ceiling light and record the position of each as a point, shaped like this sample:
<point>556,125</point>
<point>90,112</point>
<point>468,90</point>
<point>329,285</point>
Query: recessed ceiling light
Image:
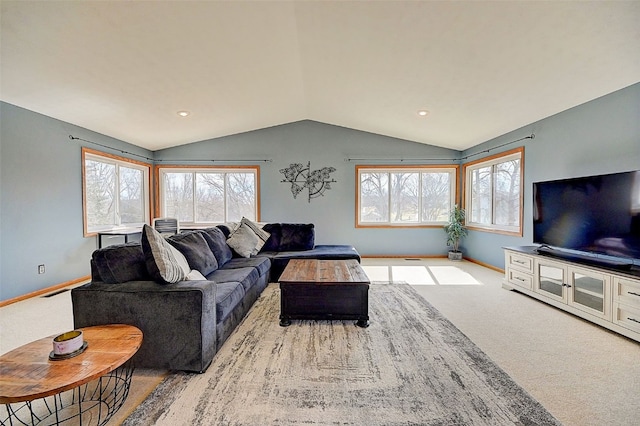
<point>423,113</point>
<point>183,113</point>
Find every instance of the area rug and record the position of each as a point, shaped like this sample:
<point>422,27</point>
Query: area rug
<point>411,366</point>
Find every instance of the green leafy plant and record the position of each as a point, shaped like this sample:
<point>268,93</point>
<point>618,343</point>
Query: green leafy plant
<point>455,228</point>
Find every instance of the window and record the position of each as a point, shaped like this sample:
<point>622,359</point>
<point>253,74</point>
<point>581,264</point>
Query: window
<point>405,196</point>
<point>115,191</point>
<point>205,195</point>
<point>493,199</point>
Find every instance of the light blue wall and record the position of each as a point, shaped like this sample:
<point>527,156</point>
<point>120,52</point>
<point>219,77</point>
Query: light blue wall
<point>41,182</point>
<point>333,214</point>
<point>41,201</point>
<point>601,136</point>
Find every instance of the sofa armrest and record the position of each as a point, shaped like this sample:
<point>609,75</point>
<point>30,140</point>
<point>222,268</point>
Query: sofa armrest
<point>178,321</point>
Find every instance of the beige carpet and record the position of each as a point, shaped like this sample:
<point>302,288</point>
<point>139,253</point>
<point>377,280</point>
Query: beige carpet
<point>411,366</point>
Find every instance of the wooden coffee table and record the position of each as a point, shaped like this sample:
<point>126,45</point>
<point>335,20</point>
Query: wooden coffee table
<point>324,290</point>
<point>86,389</point>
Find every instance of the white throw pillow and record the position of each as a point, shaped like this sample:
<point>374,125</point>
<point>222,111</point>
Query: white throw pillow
<point>163,260</point>
<point>195,275</point>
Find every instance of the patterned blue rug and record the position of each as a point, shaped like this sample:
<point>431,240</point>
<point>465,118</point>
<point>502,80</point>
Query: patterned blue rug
<point>410,367</point>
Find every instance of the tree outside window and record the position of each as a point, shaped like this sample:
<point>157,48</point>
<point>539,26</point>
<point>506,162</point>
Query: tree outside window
<point>209,195</point>
<point>405,196</point>
<point>494,193</point>
<point>115,191</point>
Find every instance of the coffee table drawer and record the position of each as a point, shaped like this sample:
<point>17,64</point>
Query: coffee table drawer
<point>318,302</point>
<point>325,302</point>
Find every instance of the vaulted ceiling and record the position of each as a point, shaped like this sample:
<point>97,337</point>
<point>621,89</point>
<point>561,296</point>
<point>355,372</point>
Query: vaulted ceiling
<point>480,69</point>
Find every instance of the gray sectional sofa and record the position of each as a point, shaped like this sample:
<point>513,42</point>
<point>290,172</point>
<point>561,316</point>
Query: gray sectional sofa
<point>185,323</point>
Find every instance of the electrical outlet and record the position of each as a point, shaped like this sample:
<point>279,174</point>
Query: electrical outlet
<point>41,269</point>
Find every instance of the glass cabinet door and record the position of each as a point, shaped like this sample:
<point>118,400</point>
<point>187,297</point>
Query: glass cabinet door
<point>551,280</point>
<point>589,291</point>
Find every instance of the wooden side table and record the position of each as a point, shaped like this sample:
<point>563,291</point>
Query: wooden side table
<point>324,290</point>
<point>86,389</point>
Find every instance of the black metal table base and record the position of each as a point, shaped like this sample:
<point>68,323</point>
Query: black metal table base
<point>93,403</point>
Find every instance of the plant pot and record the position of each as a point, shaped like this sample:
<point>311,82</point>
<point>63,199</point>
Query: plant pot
<point>455,255</point>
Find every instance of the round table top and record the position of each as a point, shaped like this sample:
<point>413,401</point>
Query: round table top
<point>27,373</point>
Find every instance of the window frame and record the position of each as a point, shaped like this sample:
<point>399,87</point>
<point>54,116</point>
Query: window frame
<point>491,161</point>
<point>91,154</point>
<point>452,169</point>
<point>158,190</point>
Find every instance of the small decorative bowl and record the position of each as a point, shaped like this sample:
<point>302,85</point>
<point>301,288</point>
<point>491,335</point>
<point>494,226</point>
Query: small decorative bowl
<point>67,343</point>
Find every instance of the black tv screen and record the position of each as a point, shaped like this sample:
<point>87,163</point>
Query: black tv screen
<point>594,214</point>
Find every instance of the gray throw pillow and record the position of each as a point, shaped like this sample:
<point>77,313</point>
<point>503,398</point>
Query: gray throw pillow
<point>164,262</point>
<point>244,241</point>
<point>263,235</point>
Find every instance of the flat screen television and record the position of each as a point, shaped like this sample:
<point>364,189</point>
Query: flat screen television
<point>593,215</point>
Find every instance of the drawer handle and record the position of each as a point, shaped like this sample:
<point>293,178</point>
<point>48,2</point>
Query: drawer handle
<point>633,319</point>
<point>520,279</point>
<point>635,294</point>
<point>519,261</point>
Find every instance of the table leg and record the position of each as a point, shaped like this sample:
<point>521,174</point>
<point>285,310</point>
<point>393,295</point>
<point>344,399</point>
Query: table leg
<point>362,323</point>
<point>285,322</point>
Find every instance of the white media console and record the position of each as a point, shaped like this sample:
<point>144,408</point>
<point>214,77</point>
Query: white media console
<point>605,296</point>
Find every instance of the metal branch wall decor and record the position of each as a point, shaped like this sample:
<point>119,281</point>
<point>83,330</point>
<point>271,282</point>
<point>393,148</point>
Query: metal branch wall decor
<point>316,182</point>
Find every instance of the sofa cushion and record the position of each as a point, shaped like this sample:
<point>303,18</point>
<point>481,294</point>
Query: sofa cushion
<point>297,237</point>
<point>228,296</point>
<point>322,252</point>
<point>164,262</point>
<point>289,237</point>
<point>119,264</point>
<point>260,263</point>
<point>273,242</point>
<point>217,241</point>
<point>248,277</point>
<point>226,229</point>
<point>195,248</point>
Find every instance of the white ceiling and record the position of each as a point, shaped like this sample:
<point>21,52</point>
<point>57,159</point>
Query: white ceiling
<point>481,69</point>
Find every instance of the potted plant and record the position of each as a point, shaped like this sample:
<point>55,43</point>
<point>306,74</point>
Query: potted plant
<point>455,232</point>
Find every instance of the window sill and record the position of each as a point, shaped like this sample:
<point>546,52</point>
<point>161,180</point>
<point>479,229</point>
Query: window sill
<point>502,231</point>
